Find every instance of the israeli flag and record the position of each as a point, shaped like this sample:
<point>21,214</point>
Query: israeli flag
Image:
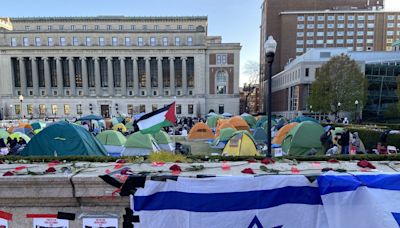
<point>243,202</point>
<point>357,200</point>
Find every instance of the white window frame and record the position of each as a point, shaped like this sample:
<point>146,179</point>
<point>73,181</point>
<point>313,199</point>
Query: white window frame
<point>153,41</point>
<point>127,41</point>
<point>88,41</point>
<point>177,41</point>
<point>114,41</point>
<point>300,34</point>
<point>38,41</point>
<point>140,41</point>
<point>189,41</point>
<point>25,41</point>
<point>75,41</point>
<point>102,41</point>
<point>63,41</point>
<point>165,41</point>
<point>50,41</point>
<point>13,42</point>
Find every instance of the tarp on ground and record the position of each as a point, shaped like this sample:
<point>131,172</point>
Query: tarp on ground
<point>112,138</point>
<point>240,144</point>
<point>303,138</point>
<point>200,131</point>
<point>64,139</point>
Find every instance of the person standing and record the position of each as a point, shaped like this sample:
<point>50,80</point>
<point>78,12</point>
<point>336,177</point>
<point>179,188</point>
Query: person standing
<point>345,142</point>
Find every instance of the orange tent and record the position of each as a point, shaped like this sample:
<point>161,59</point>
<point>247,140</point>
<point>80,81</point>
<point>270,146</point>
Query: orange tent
<point>20,125</point>
<point>239,123</point>
<point>220,122</point>
<point>281,134</point>
<point>222,126</point>
<point>200,131</point>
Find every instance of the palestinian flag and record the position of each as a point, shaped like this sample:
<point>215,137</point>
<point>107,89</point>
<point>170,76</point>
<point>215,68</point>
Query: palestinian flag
<point>152,122</point>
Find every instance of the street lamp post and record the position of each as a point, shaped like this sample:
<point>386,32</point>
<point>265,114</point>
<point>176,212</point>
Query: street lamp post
<point>337,111</point>
<point>355,112</point>
<point>270,48</point>
<point>21,99</point>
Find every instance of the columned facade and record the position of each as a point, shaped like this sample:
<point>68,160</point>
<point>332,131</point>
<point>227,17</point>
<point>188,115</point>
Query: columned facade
<point>122,77</point>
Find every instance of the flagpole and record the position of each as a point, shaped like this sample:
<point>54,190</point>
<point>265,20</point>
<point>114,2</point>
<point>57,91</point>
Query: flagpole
<point>173,127</point>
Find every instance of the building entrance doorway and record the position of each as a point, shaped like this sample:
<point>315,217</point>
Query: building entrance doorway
<point>105,111</point>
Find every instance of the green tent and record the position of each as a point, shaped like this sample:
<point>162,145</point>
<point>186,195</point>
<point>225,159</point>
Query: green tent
<point>112,138</point>
<point>265,124</point>
<point>250,120</point>
<point>304,137</point>
<point>226,133</point>
<point>140,144</point>
<point>18,135</point>
<point>129,125</point>
<point>38,125</point>
<point>261,120</point>
<point>63,139</point>
<point>212,120</point>
<point>4,134</point>
<point>164,141</point>
<point>260,135</point>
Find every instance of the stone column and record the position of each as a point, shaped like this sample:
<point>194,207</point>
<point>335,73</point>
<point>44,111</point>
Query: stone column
<point>22,75</point>
<point>123,76</point>
<point>72,85</point>
<point>148,77</point>
<point>135,77</point>
<point>184,76</point>
<point>97,76</point>
<point>35,76</point>
<point>60,89</point>
<point>172,76</point>
<point>160,78</point>
<point>47,80</point>
<point>110,77</point>
<point>85,80</point>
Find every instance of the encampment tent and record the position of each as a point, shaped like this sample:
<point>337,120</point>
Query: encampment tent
<point>222,126</point>
<point>200,131</point>
<point>63,139</point>
<point>260,136</point>
<point>113,141</point>
<point>300,119</point>
<point>224,135</point>
<point>120,127</point>
<point>281,134</point>
<point>240,144</point>
<point>250,120</point>
<point>139,144</point>
<point>164,141</point>
<point>303,139</point>
<point>239,123</point>
<point>212,120</point>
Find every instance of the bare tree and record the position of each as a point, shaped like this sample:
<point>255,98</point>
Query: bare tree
<point>252,68</point>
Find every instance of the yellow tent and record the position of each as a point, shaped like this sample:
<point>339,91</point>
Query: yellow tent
<point>281,134</point>
<point>119,126</point>
<point>240,144</point>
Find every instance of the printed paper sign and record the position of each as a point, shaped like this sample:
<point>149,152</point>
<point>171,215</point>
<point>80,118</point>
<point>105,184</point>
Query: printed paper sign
<point>100,223</point>
<point>50,223</point>
<point>3,223</point>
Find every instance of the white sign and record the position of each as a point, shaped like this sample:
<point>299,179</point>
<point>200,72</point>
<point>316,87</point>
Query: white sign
<point>100,222</point>
<point>3,223</point>
<point>278,152</point>
<point>50,223</point>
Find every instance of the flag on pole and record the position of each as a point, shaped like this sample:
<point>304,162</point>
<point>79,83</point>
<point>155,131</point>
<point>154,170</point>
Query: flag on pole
<point>152,122</point>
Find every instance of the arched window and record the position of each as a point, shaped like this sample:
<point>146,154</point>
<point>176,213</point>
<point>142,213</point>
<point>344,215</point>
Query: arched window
<point>222,78</point>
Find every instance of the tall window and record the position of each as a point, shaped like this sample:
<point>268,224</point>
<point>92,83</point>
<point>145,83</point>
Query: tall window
<point>190,109</point>
<point>103,72</point>
<point>140,41</point>
<point>50,41</point>
<point>101,41</point>
<point>130,109</point>
<point>221,109</point>
<point>54,109</point>
<point>17,109</point>
<point>96,27</point>
<point>84,27</point>
<point>13,42</point>
<point>221,59</point>
<point>42,109</point>
<point>67,109</point>
<point>127,41</point>
<point>88,41</point>
<point>178,109</point>
<point>153,72</point>
<point>28,72</point>
<point>177,41</point>
<point>90,72</point>
<point>38,42</point>
<point>115,41</point>
<point>153,107</point>
<point>109,27</point>
<point>79,109</point>
<point>141,72</point>
<point>222,78</point>
<point>53,72</point>
<point>153,41</point>
<point>29,109</point>
<point>25,41</point>
<point>65,72</point>
<point>142,108</point>
<point>178,72</point>
<point>63,41</point>
<point>75,41</point>
<point>16,72</point>
<point>190,71</point>
<point>61,27</point>
<point>116,72</point>
<point>190,41</point>
<point>78,72</point>
<point>40,67</point>
<point>166,72</point>
<point>165,41</point>
<point>129,72</point>
<point>120,27</point>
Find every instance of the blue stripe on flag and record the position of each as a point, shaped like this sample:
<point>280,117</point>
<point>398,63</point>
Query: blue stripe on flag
<point>229,201</point>
<point>342,183</point>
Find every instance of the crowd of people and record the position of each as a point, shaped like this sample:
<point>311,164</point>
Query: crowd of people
<point>12,146</point>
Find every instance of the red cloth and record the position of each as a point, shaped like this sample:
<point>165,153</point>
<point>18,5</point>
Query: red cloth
<point>248,171</point>
<point>366,164</point>
<point>267,161</point>
<point>51,170</point>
